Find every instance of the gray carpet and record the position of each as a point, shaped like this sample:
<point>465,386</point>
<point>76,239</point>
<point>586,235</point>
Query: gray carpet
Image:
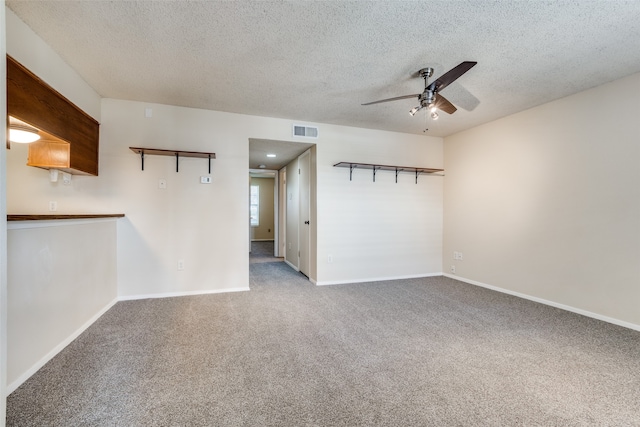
<point>262,251</point>
<point>423,352</point>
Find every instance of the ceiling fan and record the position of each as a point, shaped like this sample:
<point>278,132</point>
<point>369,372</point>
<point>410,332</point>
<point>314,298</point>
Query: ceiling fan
<point>431,97</point>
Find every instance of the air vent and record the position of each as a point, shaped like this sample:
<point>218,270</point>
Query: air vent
<point>305,131</point>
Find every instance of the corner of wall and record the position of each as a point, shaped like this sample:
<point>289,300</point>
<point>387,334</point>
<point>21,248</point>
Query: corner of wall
<point>3,231</point>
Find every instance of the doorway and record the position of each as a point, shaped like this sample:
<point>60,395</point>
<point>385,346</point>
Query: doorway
<point>293,164</point>
<point>263,215</point>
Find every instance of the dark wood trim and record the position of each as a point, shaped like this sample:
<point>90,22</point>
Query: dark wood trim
<point>52,217</point>
<point>33,101</point>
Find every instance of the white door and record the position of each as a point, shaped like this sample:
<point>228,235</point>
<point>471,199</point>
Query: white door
<point>304,165</point>
<point>282,214</point>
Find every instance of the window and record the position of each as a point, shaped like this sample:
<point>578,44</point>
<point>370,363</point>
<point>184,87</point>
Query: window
<point>254,206</point>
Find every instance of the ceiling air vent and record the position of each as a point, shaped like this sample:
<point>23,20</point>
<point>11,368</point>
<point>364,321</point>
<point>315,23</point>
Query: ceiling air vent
<point>305,131</point>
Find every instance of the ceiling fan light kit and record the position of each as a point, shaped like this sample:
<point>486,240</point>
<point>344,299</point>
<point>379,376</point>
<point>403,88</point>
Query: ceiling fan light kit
<point>430,98</point>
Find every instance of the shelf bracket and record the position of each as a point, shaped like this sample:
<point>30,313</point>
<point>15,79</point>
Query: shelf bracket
<point>142,159</point>
<point>351,168</point>
<point>177,158</point>
<point>418,172</point>
<point>398,170</point>
<point>209,164</point>
<point>375,169</point>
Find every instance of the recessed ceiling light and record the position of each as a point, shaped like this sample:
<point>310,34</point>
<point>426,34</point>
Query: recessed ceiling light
<point>22,132</point>
<point>22,135</point>
<point>271,155</point>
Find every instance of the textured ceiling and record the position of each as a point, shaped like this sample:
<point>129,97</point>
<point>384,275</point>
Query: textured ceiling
<point>318,61</point>
<point>285,152</point>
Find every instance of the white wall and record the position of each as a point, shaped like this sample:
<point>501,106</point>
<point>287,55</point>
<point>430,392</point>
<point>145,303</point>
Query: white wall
<point>546,203</point>
<point>62,276</point>
<point>3,230</point>
<point>378,230</point>
<point>203,224</point>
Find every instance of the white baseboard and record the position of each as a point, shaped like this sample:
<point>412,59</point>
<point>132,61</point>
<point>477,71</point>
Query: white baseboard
<point>57,349</point>
<point>550,303</point>
<point>181,294</point>
<point>374,279</point>
<point>291,265</point>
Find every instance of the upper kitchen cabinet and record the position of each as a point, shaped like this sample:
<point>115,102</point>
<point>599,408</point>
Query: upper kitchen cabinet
<point>69,136</point>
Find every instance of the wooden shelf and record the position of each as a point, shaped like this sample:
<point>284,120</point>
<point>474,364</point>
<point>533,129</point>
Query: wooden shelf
<point>397,169</point>
<point>53,216</point>
<point>172,153</point>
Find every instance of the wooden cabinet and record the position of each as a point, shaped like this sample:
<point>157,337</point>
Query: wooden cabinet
<point>70,137</point>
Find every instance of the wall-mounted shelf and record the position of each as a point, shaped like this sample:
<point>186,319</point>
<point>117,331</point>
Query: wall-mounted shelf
<point>396,169</point>
<point>47,217</point>
<point>172,153</point>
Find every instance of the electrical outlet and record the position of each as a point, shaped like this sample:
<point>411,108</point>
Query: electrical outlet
<point>205,180</point>
<point>329,259</point>
<point>162,183</point>
<point>453,269</point>
<point>53,206</point>
<point>180,264</point>
<point>460,256</point>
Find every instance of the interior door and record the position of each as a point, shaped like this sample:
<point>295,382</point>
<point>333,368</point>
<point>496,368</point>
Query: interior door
<point>304,234</point>
<point>282,214</point>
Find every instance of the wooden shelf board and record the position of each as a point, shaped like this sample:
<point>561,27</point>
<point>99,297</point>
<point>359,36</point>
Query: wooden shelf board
<point>172,153</point>
<point>27,217</point>
<point>387,167</point>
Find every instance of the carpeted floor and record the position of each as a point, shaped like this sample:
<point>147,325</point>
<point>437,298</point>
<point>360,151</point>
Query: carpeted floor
<point>262,251</point>
<point>421,352</point>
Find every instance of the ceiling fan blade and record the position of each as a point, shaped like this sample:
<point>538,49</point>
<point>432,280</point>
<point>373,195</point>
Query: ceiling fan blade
<point>443,104</point>
<point>393,99</point>
<point>450,76</point>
